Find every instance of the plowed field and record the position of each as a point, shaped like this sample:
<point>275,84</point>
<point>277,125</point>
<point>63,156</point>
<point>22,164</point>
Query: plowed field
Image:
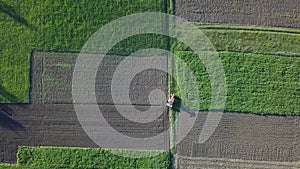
<point>244,137</point>
<point>284,13</point>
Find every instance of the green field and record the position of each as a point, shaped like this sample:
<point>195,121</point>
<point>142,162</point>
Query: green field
<point>29,25</point>
<point>54,25</point>
<point>274,41</point>
<point>84,158</point>
<point>256,83</point>
<point>261,68</point>
<point>12,166</point>
<point>66,157</point>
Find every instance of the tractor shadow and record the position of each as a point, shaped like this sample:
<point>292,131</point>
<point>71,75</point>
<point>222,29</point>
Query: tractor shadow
<point>6,120</point>
<point>6,113</point>
<point>8,96</point>
<point>177,107</point>
<point>177,104</point>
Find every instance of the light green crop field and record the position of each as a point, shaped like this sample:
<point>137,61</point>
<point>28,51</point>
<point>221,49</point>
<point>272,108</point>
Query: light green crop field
<point>255,83</point>
<point>12,166</point>
<point>85,158</point>
<point>54,25</point>
<point>88,158</point>
<point>274,41</point>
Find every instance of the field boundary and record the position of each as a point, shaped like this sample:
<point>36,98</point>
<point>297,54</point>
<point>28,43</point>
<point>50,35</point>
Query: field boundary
<point>247,28</point>
<point>296,55</point>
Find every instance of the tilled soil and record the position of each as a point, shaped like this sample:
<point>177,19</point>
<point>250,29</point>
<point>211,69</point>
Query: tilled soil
<point>284,13</point>
<point>245,137</point>
<point>57,125</point>
<point>218,163</point>
<point>35,125</point>
<point>52,79</point>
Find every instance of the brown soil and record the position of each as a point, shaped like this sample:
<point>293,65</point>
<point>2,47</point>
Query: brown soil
<point>246,137</point>
<point>57,125</point>
<point>52,80</point>
<point>218,163</point>
<point>284,13</point>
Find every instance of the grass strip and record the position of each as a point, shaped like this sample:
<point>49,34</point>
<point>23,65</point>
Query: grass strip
<point>249,40</point>
<point>72,157</point>
<point>249,28</point>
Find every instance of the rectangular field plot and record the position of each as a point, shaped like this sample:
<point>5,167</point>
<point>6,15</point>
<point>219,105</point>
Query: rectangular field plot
<point>255,83</point>
<point>63,157</point>
<point>52,79</point>
<point>285,13</point>
<point>246,137</point>
<point>58,125</point>
<point>253,39</point>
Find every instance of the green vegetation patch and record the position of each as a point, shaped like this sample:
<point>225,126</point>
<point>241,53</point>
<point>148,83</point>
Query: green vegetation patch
<point>256,83</point>
<point>12,166</point>
<point>55,25</point>
<point>63,157</point>
<point>260,40</point>
<point>249,28</point>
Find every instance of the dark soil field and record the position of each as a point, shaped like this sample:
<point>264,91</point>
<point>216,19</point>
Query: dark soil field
<point>39,125</point>
<point>57,125</point>
<point>50,121</point>
<point>244,137</point>
<point>284,13</point>
<point>52,80</point>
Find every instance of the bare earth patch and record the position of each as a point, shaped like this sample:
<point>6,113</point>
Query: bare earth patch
<point>244,137</point>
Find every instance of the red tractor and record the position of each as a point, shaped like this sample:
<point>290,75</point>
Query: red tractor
<point>171,101</point>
